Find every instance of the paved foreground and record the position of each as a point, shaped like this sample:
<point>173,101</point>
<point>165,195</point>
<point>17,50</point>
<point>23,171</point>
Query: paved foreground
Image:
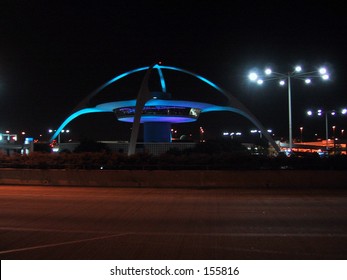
<point>133,223</point>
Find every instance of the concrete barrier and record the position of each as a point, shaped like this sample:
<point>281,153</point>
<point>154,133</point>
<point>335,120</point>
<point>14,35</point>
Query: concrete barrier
<point>177,178</point>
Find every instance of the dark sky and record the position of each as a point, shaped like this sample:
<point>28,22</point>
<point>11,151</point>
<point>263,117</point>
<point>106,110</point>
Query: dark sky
<point>54,53</point>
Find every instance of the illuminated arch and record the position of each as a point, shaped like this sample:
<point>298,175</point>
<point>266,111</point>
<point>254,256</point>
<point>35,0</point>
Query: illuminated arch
<point>233,105</point>
<point>74,116</point>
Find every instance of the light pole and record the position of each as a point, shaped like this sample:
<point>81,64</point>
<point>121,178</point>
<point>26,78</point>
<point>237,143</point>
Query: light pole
<point>326,113</point>
<point>301,129</point>
<point>285,79</point>
<point>63,131</point>
<point>232,134</point>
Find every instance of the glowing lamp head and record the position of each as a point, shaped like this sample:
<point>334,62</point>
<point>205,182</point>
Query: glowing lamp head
<point>253,76</point>
<point>307,81</point>
<point>282,83</point>
<point>344,111</point>
<point>322,70</point>
<point>268,71</point>
<point>309,113</point>
<point>298,69</point>
<point>260,82</point>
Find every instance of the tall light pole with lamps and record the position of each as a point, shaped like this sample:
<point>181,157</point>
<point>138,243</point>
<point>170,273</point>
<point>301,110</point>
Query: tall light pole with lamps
<point>326,113</point>
<point>285,79</point>
<point>63,131</point>
<point>301,129</point>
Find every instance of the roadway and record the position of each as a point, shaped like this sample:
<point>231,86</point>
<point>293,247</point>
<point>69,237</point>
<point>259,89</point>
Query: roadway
<point>151,223</point>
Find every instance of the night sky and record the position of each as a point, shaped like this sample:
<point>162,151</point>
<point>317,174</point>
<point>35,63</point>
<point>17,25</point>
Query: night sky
<point>54,53</point>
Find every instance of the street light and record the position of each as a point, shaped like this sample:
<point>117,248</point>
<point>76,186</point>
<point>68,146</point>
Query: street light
<point>232,134</point>
<point>285,79</point>
<point>326,113</point>
<point>301,129</point>
<point>63,131</point>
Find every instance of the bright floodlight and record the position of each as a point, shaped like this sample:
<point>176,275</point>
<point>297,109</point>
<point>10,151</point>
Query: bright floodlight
<point>344,111</point>
<point>298,69</point>
<point>268,71</point>
<point>282,83</point>
<point>325,77</point>
<point>253,76</point>
<point>322,70</point>
<point>260,82</point>
<point>309,113</point>
<point>307,81</point>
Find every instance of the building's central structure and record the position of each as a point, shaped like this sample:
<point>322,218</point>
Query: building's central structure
<point>157,119</point>
<point>157,110</point>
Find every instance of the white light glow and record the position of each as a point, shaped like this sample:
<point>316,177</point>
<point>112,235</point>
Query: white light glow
<point>268,71</point>
<point>309,113</point>
<point>260,82</point>
<point>282,83</point>
<point>344,111</point>
<point>298,68</point>
<point>253,76</point>
<point>307,81</point>
<point>325,77</point>
<point>322,70</point>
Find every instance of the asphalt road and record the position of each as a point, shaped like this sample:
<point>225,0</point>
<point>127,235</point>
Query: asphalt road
<point>133,223</point>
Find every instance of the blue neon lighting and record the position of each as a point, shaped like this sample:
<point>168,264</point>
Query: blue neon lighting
<point>73,116</point>
<point>161,77</point>
<point>194,75</point>
<point>235,105</point>
<point>118,77</point>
